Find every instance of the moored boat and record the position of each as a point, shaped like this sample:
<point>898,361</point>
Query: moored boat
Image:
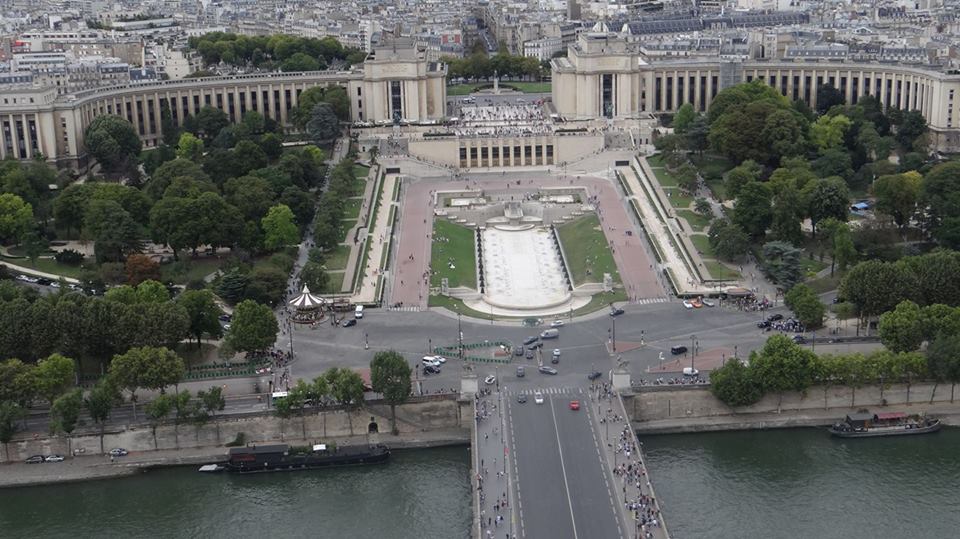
<point>867,425</point>
<point>282,458</point>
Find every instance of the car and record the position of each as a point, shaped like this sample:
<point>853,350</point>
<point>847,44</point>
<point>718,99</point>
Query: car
<point>556,352</point>
<point>763,324</point>
<point>690,371</point>
<point>538,397</point>
<point>521,371</point>
<point>677,350</point>
<point>227,327</point>
<point>349,323</point>
<point>36,459</point>
<point>55,284</point>
<point>518,351</point>
<point>697,303</point>
<point>594,375</point>
<point>43,281</point>
<point>529,354</point>
<point>22,277</point>
<point>687,304</point>
<point>522,398</point>
<point>490,380</point>
<point>225,318</point>
<point>616,311</point>
<point>535,345</point>
<point>436,359</point>
<point>556,323</point>
<point>552,333</point>
<point>430,362</point>
<point>118,452</point>
<point>709,303</point>
<point>547,370</point>
<point>431,369</point>
<point>530,340</point>
<point>54,458</point>
<point>774,317</point>
<point>574,405</point>
<point>799,339</point>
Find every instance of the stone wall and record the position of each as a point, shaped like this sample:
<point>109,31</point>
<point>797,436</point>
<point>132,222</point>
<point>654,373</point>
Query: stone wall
<point>433,414</point>
<point>681,408</point>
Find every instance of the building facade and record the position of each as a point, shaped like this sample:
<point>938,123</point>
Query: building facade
<point>605,76</point>
<point>34,120</point>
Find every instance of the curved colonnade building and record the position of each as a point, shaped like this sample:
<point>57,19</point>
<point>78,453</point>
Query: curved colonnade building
<point>392,83</point>
<point>606,76</point>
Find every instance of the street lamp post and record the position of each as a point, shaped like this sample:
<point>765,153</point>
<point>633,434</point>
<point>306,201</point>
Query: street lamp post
<point>459,336</point>
<point>290,333</point>
<point>366,341</point>
<point>429,346</point>
<point>693,349</point>
<point>613,322</point>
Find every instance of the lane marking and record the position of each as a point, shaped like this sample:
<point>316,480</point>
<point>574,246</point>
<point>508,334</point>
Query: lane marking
<point>563,468</point>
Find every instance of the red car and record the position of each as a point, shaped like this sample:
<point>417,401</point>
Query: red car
<point>574,405</point>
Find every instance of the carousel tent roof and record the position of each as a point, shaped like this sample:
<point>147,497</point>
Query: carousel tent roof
<point>306,300</point>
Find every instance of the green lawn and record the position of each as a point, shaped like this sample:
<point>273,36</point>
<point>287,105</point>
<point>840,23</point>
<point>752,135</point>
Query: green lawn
<point>351,208</point>
<point>337,259</point>
<point>334,284</point>
<point>711,165</point>
<point>665,178</point>
<point>702,243</point>
<point>697,222</point>
<point>719,271</point>
<point>360,171</point>
<point>677,198</point>
<point>47,265</point>
<point>20,250</point>
<point>824,284</point>
<point>453,246</point>
<point>585,246</point>
<point>655,160</point>
<point>812,266</point>
<point>188,269</point>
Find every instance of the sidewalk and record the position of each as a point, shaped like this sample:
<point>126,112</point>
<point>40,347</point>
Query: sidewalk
<point>379,240</point>
<point>496,476</point>
<point>358,244</point>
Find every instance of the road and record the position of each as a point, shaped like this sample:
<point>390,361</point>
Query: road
<point>561,483</point>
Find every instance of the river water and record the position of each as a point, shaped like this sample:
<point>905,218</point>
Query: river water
<point>418,494</point>
<point>803,483</point>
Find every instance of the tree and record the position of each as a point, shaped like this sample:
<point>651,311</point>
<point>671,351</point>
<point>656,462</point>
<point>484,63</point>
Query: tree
<point>314,276</point>
<point>752,211</point>
<point>876,287</point>
<point>34,245</point>
<point>702,206</point>
<point>901,330</point>
<point>113,142</point>
<point>897,195</point>
<point>684,118</point>
<point>782,365</point>
<point>740,175</point>
<point>943,361</point>
<point>232,286</point>
<point>734,385</point>
<point>18,381</point>
<point>69,207</point>
<point>844,251</point>
<point>151,291</point>
<point>190,147</point>
<point>204,313</point>
<point>208,122</point>
<point>783,132</point>
<point>834,162</point>
<point>787,213</point>
<point>300,62</point>
<point>53,376</point>
<point>213,402</point>
<point>146,367</point>
<point>253,328</point>
<point>100,402</point>
<point>279,228</point>
<point>782,263</point>
<point>10,414</point>
<point>16,218</point>
<point>828,97</point>
<point>346,387</point>
<point>65,412</point>
<point>390,376</point>
<point>687,177</point>
<point>806,306</point>
<point>183,411</point>
<point>115,232</point>
<point>141,268</point>
<point>828,131</point>
<point>157,410</point>
<point>323,125</point>
<point>697,135</point>
<point>826,197</point>
<point>728,241</point>
<point>911,127</point>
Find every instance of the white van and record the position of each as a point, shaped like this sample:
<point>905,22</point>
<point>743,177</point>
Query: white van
<point>358,313</point>
<point>552,333</point>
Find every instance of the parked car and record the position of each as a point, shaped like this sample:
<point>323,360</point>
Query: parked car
<point>535,345</point>
<point>687,304</point>
<point>538,397</point>
<point>690,371</point>
<point>774,317</point>
<point>556,323</point>
<point>490,380</point>
<point>574,405</point>
<point>35,459</point>
<point>677,350</point>
<point>225,318</point>
<point>349,323</point>
<point>556,352</point>
<point>437,359</point>
<point>118,452</point>
<point>709,302</point>
<point>529,354</point>
<point>547,370</point>
<point>429,361</point>
<point>697,303</point>
<point>551,333</point>
<point>518,351</point>
<point>522,398</point>
<point>54,458</point>
<point>799,339</point>
<point>530,340</point>
<point>616,311</point>
<point>763,324</point>
<point>431,369</point>
<point>594,375</point>
<point>521,371</point>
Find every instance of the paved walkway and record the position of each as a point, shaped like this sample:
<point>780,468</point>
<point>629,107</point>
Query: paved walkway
<point>379,241</point>
<point>494,475</point>
<point>354,238</point>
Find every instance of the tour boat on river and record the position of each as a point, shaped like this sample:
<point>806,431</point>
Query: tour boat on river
<point>281,458</point>
<point>867,425</point>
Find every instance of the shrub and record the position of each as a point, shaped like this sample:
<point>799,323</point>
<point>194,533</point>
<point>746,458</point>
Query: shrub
<point>69,257</point>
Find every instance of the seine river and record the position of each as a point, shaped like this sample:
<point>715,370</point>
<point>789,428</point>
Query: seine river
<point>419,494</point>
<point>802,483</point>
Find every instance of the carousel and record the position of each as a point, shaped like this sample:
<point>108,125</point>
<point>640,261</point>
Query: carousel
<point>307,308</point>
